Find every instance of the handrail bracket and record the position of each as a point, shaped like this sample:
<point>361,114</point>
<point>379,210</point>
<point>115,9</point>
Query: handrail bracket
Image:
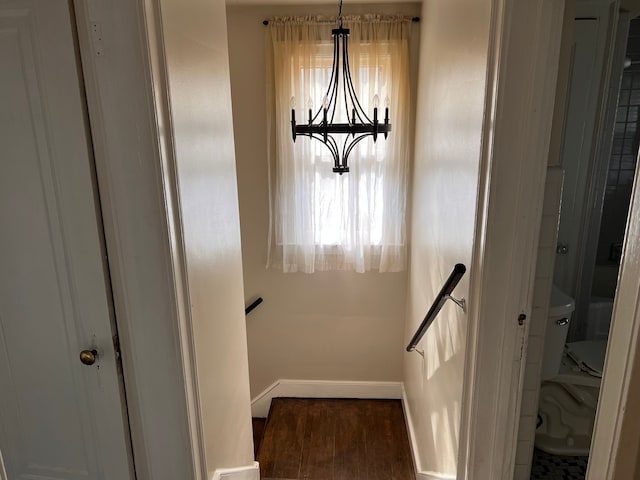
<point>462,303</point>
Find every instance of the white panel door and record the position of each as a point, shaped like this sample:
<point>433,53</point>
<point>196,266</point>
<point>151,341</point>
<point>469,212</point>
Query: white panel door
<point>59,418</point>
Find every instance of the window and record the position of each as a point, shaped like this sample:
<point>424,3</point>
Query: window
<point>321,220</point>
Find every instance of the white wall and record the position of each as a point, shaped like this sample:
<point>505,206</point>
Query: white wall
<point>199,94</point>
<point>324,326</point>
<point>450,109</point>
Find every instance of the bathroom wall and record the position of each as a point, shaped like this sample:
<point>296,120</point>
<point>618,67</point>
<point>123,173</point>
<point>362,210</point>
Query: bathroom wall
<point>622,165</point>
<point>323,326</point>
<point>538,321</point>
<point>452,81</point>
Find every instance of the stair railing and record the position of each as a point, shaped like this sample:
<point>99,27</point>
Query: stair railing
<point>443,296</point>
<point>253,305</point>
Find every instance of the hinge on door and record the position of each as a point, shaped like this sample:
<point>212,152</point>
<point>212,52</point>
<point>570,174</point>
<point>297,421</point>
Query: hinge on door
<point>116,346</point>
<point>116,351</point>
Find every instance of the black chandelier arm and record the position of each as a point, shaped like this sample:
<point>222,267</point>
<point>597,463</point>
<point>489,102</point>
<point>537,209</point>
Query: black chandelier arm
<point>346,149</point>
<point>330,143</point>
<point>332,97</point>
<point>331,93</point>
<point>335,72</point>
<point>332,89</point>
<point>348,85</point>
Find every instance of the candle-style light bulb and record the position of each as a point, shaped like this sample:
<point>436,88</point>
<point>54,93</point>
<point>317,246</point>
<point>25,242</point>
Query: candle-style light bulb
<point>292,103</point>
<point>376,101</point>
<point>325,102</point>
<point>387,102</point>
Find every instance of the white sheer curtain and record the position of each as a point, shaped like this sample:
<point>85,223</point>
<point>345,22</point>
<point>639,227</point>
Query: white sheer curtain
<point>320,220</point>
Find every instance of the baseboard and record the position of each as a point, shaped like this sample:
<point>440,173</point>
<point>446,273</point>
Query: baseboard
<point>250,472</point>
<point>433,476</point>
<point>420,473</point>
<point>322,389</point>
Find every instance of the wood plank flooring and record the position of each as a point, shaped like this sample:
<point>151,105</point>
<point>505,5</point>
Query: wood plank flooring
<point>258,425</point>
<point>335,439</point>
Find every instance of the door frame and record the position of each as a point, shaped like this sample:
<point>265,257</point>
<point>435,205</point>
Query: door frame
<point>3,471</point>
<point>618,379</point>
<point>508,221</point>
<point>144,249</point>
<point>521,84</point>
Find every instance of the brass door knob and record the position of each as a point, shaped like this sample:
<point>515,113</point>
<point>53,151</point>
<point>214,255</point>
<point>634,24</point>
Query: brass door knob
<point>88,357</point>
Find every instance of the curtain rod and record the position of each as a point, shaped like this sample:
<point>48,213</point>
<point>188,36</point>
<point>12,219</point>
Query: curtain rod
<point>413,19</point>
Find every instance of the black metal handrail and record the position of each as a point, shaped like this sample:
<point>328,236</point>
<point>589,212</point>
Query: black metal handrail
<point>443,296</point>
<point>253,305</point>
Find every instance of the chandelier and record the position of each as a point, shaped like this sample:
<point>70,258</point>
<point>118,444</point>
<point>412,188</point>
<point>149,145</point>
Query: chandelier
<point>359,125</point>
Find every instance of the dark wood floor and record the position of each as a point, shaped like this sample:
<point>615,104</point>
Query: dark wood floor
<point>335,439</point>
<point>258,425</point>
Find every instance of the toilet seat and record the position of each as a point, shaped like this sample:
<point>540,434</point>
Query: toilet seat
<point>571,373</point>
<point>588,355</point>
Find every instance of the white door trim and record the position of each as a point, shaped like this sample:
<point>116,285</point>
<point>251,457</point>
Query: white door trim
<point>522,74</point>
<point>3,471</point>
<point>159,79</point>
<point>121,59</point>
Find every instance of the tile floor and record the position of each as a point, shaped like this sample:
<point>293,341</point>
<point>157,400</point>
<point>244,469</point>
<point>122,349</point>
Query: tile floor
<point>555,467</point>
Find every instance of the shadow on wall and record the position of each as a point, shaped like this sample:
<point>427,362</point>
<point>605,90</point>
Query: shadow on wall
<point>444,356</point>
<point>437,387</point>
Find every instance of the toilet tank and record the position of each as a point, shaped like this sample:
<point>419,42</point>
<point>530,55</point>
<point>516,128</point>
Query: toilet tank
<point>561,307</point>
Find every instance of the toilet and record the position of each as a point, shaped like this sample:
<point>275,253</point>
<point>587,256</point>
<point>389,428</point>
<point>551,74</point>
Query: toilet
<point>571,375</point>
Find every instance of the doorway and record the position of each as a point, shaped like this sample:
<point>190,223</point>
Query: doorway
<point>576,330</point>
<point>62,411</point>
